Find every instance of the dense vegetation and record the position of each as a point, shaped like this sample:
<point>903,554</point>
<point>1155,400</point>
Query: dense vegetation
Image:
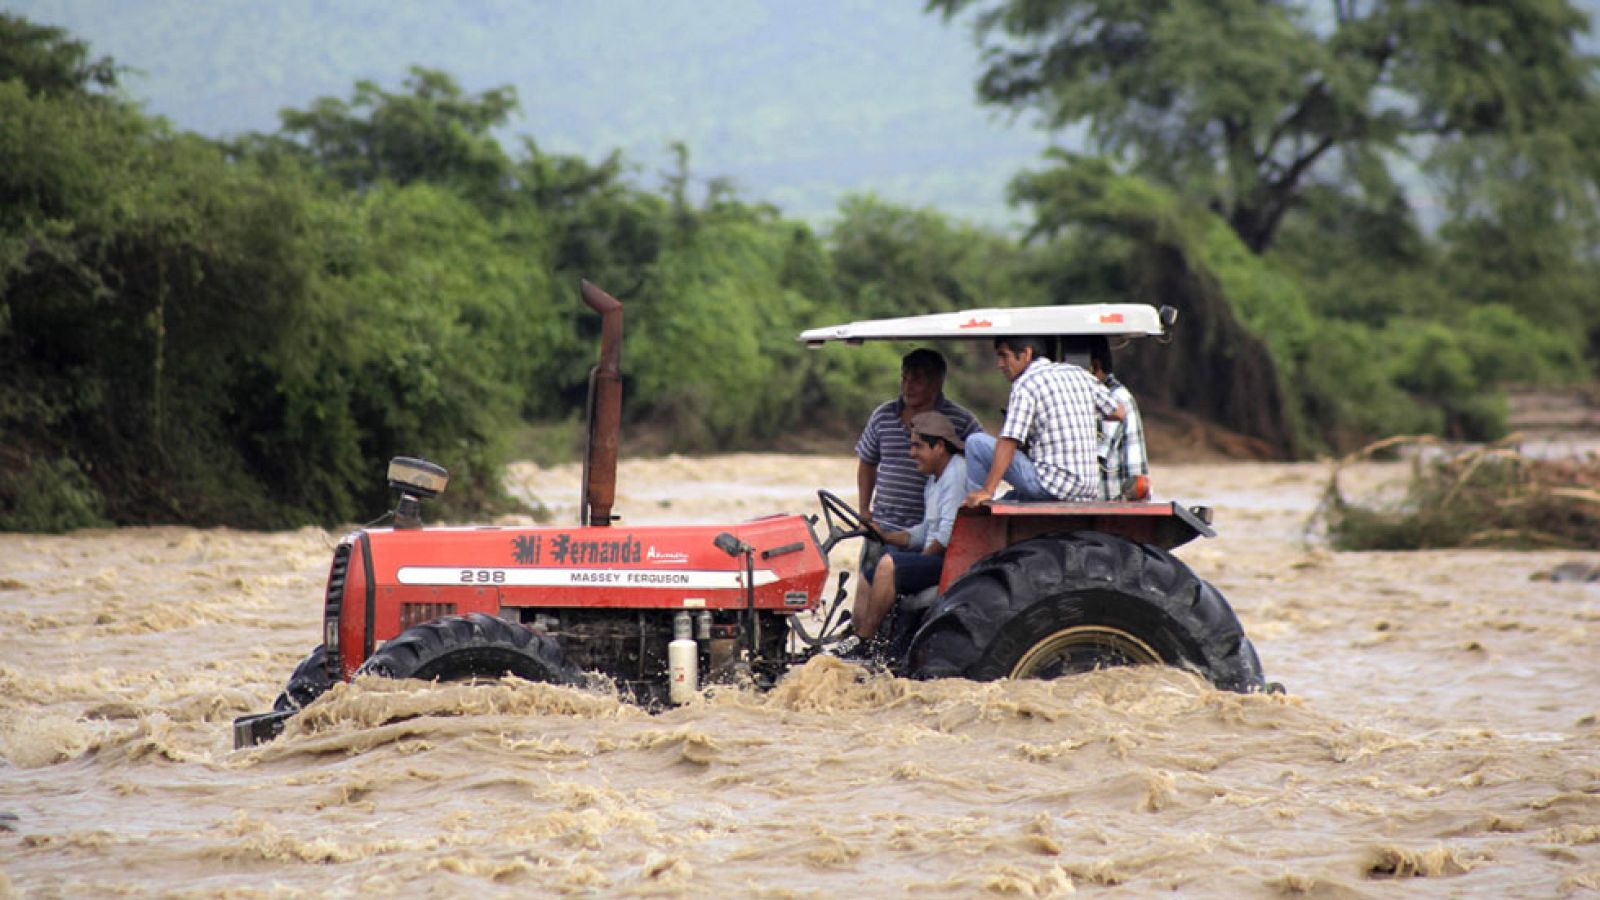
<point>1285,147</point>
<point>243,332</point>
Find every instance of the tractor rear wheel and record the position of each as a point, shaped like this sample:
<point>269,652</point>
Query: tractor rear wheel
<point>308,682</point>
<point>460,648</point>
<point>1064,604</point>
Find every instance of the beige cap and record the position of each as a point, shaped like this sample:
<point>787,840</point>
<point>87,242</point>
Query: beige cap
<point>937,424</point>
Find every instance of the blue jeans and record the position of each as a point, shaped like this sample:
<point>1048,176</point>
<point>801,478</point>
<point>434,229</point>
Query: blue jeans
<point>1021,475</point>
<point>913,571</point>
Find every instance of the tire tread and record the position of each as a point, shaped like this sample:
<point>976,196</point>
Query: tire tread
<point>473,645</point>
<point>989,616</point>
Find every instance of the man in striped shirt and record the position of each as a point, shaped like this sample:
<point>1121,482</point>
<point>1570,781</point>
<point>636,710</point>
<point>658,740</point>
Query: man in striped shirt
<point>1054,411</point>
<point>886,476</point>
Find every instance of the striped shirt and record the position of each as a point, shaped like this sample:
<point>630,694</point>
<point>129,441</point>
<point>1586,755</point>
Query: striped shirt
<point>886,443</point>
<point>1055,412</point>
<point>1122,454</point>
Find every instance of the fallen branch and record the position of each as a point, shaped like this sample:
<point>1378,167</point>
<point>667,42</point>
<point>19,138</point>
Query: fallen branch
<point>1483,497</point>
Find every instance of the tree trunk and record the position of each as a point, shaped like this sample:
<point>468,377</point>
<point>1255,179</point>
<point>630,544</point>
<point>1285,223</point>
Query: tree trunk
<point>1213,368</point>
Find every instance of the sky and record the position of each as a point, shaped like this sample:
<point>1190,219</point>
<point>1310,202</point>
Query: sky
<point>799,103</point>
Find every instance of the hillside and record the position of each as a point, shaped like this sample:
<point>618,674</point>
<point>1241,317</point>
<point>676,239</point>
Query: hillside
<point>797,103</point>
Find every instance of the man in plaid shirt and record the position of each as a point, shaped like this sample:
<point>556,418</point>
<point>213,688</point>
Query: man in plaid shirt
<point>1124,467</point>
<point>1054,412</point>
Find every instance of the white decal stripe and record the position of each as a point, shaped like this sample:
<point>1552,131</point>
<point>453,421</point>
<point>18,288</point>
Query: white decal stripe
<point>628,578</point>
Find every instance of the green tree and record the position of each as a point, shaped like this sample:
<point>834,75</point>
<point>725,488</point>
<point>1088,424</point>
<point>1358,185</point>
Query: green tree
<point>422,335</point>
<point>712,359</point>
<point>1368,262</point>
<point>601,227</point>
<point>430,131</point>
<point>893,261</point>
<point>1243,104</point>
<point>49,62</point>
<point>1520,230</point>
<point>138,273</point>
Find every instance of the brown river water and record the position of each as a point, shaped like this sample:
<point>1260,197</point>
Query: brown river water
<point>1440,737</point>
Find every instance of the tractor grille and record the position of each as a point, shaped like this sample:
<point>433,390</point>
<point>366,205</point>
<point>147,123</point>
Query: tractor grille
<point>333,605</point>
<point>417,613</point>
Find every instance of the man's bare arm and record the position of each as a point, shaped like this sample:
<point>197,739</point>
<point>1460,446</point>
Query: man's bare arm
<point>866,480</point>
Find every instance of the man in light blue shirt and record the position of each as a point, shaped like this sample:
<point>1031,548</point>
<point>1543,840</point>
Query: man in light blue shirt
<point>915,558</point>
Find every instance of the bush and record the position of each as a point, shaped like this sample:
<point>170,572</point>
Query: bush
<point>1349,389</point>
<point>712,351</point>
<point>50,496</point>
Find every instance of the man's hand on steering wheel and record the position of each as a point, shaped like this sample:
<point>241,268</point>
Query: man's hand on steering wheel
<point>854,524</point>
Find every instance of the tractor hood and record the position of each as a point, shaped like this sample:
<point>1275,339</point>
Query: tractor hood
<point>384,581</point>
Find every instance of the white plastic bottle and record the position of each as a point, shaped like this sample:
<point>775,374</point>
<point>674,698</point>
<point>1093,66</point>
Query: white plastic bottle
<point>683,661</point>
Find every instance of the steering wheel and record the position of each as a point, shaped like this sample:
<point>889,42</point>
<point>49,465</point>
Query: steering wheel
<point>855,525</point>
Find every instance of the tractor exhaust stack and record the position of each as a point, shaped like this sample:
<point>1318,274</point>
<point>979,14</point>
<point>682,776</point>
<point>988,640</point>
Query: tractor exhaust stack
<point>604,414</point>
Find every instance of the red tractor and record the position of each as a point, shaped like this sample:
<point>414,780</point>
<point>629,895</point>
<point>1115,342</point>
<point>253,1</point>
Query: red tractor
<point>1028,590</point>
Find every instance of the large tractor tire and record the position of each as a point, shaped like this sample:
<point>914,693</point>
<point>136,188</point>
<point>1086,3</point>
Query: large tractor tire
<point>307,682</point>
<point>461,648</point>
<point>1063,604</point>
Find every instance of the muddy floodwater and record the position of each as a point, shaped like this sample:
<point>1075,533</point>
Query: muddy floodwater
<point>1440,737</point>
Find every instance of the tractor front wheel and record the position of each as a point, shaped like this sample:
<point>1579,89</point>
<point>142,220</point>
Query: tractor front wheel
<point>461,648</point>
<point>1064,604</point>
<point>308,682</point>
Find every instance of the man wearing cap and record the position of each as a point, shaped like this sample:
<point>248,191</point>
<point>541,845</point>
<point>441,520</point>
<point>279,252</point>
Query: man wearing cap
<point>915,556</point>
<point>889,484</point>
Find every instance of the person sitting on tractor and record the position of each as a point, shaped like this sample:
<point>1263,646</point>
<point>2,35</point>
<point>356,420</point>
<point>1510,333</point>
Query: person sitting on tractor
<point>1124,467</point>
<point>1054,411</point>
<point>915,556</point>
<point>888,481</point>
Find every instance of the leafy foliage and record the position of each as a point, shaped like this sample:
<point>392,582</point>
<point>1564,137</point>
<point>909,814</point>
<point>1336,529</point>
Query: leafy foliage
<point>52,495</point>
<point>1243,105</point>
<point>48,61</point>
<point>428,132</point>
<point>891,260</point>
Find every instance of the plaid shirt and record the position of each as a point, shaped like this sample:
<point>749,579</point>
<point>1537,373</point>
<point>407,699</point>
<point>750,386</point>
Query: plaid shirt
<point>886,443</point>
<point>1055,412</point>
<point>1122,456</point>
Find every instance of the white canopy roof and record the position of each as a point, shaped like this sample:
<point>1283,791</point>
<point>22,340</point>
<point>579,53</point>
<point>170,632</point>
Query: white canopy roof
<point>1111,319</point>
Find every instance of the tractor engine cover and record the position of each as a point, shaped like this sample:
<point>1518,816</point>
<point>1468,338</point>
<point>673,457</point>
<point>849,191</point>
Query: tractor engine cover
<point>384,581</point>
